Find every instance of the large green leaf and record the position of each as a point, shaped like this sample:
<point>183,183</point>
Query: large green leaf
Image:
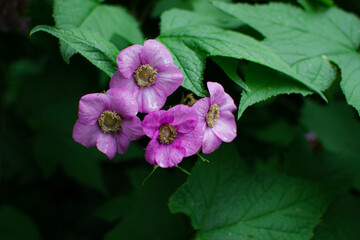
<point>96,49</point>
<point>265,84</point>
<point>341,221</point>
<point>182,35</point>
<point>308,41</point>
<point>14,225</point>
<point>224,201</point>
<point>92,16</point>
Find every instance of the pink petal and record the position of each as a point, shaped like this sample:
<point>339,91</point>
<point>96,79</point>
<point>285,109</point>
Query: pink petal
<point>211,142</point>
<point>185,118</point>
<point>220,97</point>
<point>169,77</point>
<point>106,143</point>
<point>123,102</point>
<point>155,54</point>
<point>151,151</point>
<point>86,134</point>
<point>128,60</point>
<point>192,141</point>
<point>225,126</point>
<point>118,80</point>
<point>154,120</point>
<point>169,155</point>
<point>202,107</point>
<point>122,142</point>
<point>132,128</point>
<point>150,99</point>
<point>91,106</point>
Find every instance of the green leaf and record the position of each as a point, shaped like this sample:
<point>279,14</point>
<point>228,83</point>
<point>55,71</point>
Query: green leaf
<point>90,15</point>
<point>336,126</point>
<point>144,212</point>
<point>308,41</point>
<point>224,201</point>
<point>341,220</point>
<point>15,225</point>
<point>265,84</point>
<point>96,49</point>
<point>220,18</point>
<point>213,41</point>
<point>334,171</point>
<point>230,66</point>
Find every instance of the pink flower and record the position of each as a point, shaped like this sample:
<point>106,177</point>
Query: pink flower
<point>149,73</point>
<point>216,118</point>
<point>173,135</point>
<point>108,121</point>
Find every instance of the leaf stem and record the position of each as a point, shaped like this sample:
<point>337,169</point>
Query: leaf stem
<point>150,174</point>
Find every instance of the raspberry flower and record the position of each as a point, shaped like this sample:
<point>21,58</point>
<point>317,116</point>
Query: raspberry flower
<point>149,73</point>
<point>108,121</point>
<point>173,134</point>
<point>216,118</point>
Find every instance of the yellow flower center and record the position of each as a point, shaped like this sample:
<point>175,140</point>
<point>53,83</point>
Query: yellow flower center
<point>167,134</point>
<point>109,122</point>
<point>213,115</point>
<point>145,75</point>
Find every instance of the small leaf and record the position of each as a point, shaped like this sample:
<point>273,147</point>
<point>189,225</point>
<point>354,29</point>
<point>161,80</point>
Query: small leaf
<point>96,49</point>
<point>108,21</point>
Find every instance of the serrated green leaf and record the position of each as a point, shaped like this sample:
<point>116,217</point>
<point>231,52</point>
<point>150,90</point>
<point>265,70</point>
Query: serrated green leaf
<point>213,41</point>
<point>224,201</point>
<point>264,84</point>
<point>96,49</point>
<point>309,40</point>
<point>341,220</point>
<point>90,15</point>
<point>15,225</point>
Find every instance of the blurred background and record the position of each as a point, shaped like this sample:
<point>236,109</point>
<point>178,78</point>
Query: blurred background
<point>53,188</point>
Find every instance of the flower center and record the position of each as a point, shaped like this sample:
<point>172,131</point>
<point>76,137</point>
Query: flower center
<point>213,115</point>
<point>145,75</point>
<point>167,134</point>
<point>109,122</point>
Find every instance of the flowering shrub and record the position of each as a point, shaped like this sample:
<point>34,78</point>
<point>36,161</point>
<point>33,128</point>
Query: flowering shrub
<point>257,103</point>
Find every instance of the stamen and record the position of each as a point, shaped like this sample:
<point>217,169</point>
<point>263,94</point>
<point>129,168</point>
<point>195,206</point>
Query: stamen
<point>167,134</point>
<point>213,115</point>
<point>109,122</point>
<point>145,75</point>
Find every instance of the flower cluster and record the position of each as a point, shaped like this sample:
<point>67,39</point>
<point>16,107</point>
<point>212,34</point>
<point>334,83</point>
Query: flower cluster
<point>147,75</point>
